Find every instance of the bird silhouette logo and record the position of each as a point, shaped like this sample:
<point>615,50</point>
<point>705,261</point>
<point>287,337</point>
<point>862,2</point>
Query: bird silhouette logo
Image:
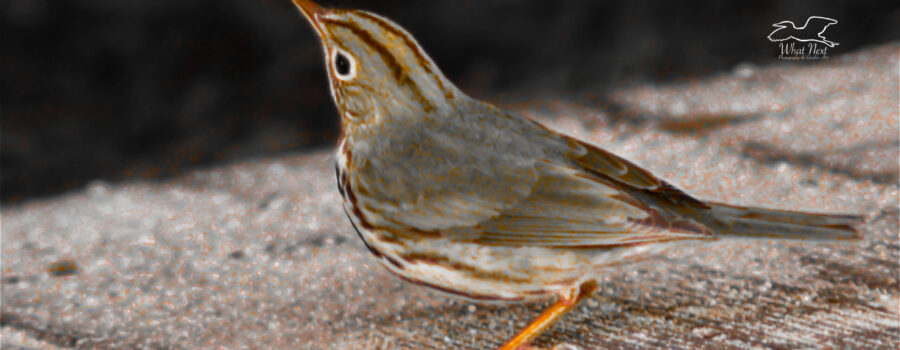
<point>809,32</point>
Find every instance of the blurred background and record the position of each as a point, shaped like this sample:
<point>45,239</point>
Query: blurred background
<point>116,89</point>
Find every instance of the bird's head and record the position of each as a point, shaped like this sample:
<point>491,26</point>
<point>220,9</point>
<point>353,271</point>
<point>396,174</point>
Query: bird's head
<point>375,67</point>
<point>783,24</point>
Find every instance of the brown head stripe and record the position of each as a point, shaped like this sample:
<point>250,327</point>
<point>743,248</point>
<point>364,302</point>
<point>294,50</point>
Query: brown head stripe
<point>420,57</point>
<point>398,70</point>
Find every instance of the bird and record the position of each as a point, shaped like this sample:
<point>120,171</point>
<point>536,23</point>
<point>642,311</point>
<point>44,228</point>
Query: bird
<point>464,197</point>
<point>811,31</point>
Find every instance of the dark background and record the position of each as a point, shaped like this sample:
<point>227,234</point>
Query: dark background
<point>115,89</point>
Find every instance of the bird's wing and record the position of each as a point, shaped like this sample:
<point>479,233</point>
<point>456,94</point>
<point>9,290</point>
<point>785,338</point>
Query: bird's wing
<point>433,177</point>
<point>628,176</point>
<point>524,186</point>
<point>817,20</point>
<point>599,201</point>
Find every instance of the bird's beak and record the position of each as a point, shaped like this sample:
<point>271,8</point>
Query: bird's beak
<point>312,12</point>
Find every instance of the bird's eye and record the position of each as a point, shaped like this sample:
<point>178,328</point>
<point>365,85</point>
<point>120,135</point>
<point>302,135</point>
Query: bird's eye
<point>344,66</point>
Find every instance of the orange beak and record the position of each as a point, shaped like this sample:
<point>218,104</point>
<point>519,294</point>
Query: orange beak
<point>312,12</point>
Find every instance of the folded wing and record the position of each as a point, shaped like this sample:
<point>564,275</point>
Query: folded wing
<point>571,207</point>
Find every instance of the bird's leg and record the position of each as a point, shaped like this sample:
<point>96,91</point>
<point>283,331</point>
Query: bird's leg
<point>567,301</point>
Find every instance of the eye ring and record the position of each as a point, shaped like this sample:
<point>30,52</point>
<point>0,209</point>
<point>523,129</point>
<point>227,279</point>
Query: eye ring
<point>343,65</point>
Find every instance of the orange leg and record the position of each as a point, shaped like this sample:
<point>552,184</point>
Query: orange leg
<point>567,301</point>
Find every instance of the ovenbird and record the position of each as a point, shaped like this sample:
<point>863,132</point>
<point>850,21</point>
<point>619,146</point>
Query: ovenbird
<point>456,194</point>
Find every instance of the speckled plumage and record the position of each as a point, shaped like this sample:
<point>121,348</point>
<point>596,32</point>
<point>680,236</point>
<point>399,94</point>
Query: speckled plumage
<point>459,195</point>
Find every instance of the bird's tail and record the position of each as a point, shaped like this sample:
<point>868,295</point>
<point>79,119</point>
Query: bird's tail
<point>748,222</point>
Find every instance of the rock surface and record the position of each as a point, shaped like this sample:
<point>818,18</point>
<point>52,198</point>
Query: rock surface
<point>258,254</point>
